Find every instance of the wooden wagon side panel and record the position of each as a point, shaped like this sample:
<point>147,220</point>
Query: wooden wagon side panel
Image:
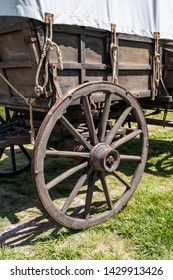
<point>135,64</point>
<point>85,55</point>
<point>167,58</point>
<point>19,56</point>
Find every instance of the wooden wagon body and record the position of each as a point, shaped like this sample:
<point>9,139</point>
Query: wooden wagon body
<point>86,57</point>
<point>88,113</point>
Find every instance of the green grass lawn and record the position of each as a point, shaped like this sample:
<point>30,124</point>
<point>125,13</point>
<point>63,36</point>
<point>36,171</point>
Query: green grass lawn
<point>143,230</point>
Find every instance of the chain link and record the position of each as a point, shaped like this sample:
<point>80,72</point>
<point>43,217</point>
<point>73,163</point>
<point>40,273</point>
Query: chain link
<point>164,117</point>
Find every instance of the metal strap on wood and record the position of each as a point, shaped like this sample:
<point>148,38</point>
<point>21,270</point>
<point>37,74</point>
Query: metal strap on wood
<point>113,53</point>
<point>48,46</point>
<point>156,65</point>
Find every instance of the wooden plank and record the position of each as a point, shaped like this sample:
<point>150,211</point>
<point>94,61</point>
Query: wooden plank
<point>135,80</point>
<point>68,79</point>
<point>4,88</point>
<point>13,26</point>
<point>79,66</point>
<point>16,64</point>
<point>13,47</point>
<point>94,50</point>
<point>82,57</point>
<point>80,30</point>
<point>135,38</point>
<point>3,144</point>
<point>18,140</point>
<point>134,67</point>
<point>69,46</point>
<point>97,75</point>
<point>18,104</point>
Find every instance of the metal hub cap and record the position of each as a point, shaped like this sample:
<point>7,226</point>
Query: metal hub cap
<point>104,158</point>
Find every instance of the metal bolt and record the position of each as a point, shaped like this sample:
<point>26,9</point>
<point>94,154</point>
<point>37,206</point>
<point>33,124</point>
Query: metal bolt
<point>110,160</point>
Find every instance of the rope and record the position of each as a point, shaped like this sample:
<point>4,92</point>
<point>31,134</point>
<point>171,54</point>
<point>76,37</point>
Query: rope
<point>48,46</point>
<point>114,48</point>
<point>58,52</point>
<point>156,67</point>
<point>113,52</point>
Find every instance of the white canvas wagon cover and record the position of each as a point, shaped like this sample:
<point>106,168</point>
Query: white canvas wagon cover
<point>138,17</point>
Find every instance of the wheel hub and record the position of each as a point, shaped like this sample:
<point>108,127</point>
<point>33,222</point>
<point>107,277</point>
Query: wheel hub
<point>104,158</point>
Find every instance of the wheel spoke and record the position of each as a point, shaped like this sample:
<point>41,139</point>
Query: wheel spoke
<point>1,152</point>
<point>128,186</point>
<point>65,175</point>
<point>74,192</point>
<point>53,152</point>
<point>130,157</point>
<point>104,117</point>
<point>75,133</point>
<point>2,121</point>
<point>90,190</point>
<point>105,189</point>
<point>126,138</point>
<point>27,155</point>
<point>117,125</point>
<point>90,122</point>
<point>13,159</point>
<point>7,114</point>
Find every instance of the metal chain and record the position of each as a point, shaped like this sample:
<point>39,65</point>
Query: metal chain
<point>31,103</point>
<point>164,117</point>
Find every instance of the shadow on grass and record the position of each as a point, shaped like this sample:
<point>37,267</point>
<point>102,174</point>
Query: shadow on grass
<point>27,233</point>
<point>161,157</point>
<point>17,195</point>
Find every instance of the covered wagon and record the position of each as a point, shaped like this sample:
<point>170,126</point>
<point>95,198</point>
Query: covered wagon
<point>76,78</point>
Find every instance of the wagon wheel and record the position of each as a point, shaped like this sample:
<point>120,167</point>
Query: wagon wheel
<point>14,157</point>
<point>96,178</point>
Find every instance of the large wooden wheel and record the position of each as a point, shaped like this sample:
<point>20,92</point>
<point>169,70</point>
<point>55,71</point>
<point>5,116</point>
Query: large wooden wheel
<point>97,177</point>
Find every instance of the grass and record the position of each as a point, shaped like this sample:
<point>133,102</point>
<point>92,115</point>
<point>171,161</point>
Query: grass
<point>143,230</point>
